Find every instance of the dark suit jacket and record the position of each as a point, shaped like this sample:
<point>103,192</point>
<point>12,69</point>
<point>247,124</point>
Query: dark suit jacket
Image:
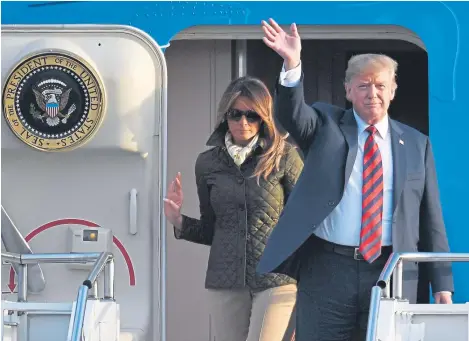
<point>328,138</point>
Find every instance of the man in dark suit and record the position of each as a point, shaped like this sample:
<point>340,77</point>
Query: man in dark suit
<point>368,188</point>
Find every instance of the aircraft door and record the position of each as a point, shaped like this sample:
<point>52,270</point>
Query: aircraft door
<point>83,157</point>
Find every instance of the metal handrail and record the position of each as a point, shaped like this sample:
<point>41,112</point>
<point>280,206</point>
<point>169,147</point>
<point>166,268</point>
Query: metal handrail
<point>82,297</point>
<point>49,258</point>
<point>14,241</point>
<point>102,261</point>
<point>394,267</point>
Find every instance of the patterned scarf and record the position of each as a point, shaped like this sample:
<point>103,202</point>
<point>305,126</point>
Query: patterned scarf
<point>239,153</point>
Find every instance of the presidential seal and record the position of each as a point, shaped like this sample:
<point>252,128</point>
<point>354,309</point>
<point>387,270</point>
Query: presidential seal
<point>53,101</point>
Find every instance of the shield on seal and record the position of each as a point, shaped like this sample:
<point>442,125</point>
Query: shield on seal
<point>52,109</point>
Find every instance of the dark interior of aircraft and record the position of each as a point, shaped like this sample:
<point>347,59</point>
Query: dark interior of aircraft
<point>325,61</point>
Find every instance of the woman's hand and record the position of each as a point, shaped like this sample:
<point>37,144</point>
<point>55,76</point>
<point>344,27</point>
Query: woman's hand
<point>173,202</point>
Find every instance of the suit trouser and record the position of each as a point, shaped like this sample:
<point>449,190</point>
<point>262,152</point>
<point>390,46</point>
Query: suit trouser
<point>241,315</point>
<point>334,293</point>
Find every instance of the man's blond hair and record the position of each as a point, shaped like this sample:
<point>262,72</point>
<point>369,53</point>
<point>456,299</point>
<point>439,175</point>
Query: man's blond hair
<point>370,62</point>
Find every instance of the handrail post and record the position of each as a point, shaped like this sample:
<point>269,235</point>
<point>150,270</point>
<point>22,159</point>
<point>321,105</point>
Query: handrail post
<point>109,280</point>
<point>23,283</point>
<point>387,291</point>
<point>93,293</point>
<point>397,280</point>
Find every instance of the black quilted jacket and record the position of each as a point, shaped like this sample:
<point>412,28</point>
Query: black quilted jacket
<point>237,214</point>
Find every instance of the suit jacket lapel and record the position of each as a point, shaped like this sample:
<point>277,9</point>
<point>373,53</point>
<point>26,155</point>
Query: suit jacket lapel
<point>399,161</point>
<point>348,125</point>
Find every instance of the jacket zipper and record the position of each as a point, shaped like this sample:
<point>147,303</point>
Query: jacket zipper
<point>245,214</point>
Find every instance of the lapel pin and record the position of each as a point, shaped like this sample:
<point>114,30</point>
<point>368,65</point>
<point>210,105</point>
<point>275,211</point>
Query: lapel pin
<point>401,142</point>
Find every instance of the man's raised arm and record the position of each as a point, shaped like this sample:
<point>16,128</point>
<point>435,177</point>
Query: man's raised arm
<point>295,116</point>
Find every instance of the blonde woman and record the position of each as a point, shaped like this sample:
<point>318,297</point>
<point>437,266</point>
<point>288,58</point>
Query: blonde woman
<point>243,183</point>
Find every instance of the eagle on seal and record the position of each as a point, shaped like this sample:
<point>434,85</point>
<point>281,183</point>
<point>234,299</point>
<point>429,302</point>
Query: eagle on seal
<point>52,102</point>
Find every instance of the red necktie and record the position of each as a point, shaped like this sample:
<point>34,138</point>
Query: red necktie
<point>372,199</point>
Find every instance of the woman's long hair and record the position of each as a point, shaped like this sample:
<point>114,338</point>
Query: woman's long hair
<point>256,91</point>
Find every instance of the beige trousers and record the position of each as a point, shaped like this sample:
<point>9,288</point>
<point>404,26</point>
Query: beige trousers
<point>240,315</point>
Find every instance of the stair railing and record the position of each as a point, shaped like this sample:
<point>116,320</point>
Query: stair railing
<point>102,261</point>
<point>394,269</point>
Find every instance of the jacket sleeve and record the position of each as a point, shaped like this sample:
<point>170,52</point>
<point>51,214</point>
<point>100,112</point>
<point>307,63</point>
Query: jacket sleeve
<point>432,228</point>
<point>199,231</point>
<point>293,169</point>
<point>294,115</point>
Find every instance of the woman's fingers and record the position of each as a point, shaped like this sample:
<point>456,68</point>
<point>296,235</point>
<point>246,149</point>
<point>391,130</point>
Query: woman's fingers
<point>172,204</point>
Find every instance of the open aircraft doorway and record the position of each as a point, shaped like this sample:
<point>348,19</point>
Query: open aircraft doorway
<point>201,62</point>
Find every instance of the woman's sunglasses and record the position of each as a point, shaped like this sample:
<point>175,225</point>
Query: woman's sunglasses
<point>236,114</point>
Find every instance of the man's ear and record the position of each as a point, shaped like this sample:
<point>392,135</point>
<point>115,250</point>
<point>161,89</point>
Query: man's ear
<point>393,91</point>
<point>347,91</point>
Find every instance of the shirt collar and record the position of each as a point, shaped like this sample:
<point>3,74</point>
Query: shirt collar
<point>382,126</point>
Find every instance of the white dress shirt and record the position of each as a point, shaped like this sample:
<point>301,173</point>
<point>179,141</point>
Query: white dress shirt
<point>343,225</point>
